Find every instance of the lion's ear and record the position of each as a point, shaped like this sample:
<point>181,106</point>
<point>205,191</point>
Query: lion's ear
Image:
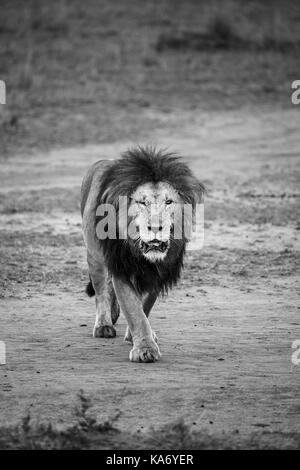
<point>199,191</point>
<point>193,191</point>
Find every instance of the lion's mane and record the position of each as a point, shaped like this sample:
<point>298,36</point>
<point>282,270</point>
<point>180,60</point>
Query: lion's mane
<point>136,167</point>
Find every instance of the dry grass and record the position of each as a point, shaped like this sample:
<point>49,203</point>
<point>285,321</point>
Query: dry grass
<point>79,73</point>
<point>89,433</point>
<point>221,33</point>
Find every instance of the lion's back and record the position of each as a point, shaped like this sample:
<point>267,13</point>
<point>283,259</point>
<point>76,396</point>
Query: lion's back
<point>91,179</point>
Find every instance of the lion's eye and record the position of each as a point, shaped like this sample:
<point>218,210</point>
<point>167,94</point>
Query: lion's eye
<point>169,201</point>
<point>143,203</point>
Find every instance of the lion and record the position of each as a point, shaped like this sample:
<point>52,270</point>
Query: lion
<point>129,272</point>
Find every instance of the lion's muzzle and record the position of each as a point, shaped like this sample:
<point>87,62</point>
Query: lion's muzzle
<point>154,245</point>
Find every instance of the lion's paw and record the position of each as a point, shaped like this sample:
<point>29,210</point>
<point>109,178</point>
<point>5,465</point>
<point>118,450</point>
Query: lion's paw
<point>104,331</point>
<point>145,353</point>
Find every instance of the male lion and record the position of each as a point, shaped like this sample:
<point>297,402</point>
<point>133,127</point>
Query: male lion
<point>129,272</point>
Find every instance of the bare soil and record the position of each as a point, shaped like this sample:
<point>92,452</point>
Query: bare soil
<point>225,332</point>
<point>85,84</point>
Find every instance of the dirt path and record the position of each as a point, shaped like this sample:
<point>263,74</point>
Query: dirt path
<point>226,331</point>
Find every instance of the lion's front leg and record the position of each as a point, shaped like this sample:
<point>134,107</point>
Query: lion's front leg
<point>128,336</point>
<point>145,349</point>
<point>147,302</point>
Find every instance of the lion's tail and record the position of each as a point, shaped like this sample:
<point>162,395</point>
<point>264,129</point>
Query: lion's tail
<point>90,289</point>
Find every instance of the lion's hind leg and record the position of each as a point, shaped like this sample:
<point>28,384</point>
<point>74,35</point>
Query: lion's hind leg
<point>106,307</point>
<point>114,305</point>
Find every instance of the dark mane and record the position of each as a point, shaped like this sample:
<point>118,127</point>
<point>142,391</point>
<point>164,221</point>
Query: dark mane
<point>138,166</point>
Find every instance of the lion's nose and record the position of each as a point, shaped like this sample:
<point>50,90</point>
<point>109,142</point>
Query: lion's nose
<point>155,229</point>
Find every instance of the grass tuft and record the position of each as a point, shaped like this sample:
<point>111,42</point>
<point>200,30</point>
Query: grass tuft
<point>89,433</point>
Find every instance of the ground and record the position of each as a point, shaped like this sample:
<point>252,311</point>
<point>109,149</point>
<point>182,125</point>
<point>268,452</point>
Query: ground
<point>226,331</point>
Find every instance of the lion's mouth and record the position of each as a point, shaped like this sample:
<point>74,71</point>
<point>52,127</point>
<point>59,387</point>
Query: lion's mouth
<point>154,245</point>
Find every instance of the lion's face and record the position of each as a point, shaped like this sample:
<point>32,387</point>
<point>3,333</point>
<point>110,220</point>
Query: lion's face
<point>152,212</point>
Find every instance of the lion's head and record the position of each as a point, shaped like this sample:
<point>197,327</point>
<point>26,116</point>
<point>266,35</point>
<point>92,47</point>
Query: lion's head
<point>156,186</point>
<point>152,212</point>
